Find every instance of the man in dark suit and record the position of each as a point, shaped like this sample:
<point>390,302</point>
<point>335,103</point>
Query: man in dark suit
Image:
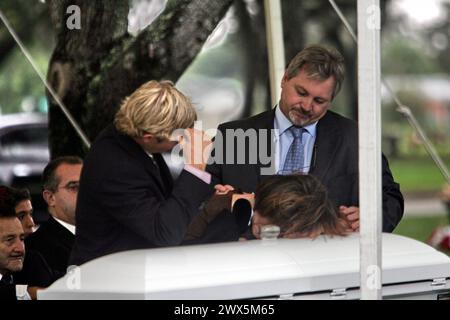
<point>301,135</point>
<point>20,276</point>
<point>54,239</point>
<point>12,254</point>
<point>127,199</point>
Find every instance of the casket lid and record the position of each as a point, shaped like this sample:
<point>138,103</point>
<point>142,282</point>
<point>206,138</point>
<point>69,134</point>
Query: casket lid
<point>249,269</point>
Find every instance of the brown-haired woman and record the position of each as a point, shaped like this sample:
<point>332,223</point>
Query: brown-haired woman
<point>299,205</point>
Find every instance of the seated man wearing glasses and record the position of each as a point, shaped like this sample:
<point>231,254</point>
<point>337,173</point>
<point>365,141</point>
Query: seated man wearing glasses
<point>54,239</point>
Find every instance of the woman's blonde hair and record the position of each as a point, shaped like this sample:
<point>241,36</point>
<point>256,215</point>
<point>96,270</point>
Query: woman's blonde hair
<point>157,108</point>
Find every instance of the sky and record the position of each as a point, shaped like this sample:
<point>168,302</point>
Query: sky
<point>420,12</point>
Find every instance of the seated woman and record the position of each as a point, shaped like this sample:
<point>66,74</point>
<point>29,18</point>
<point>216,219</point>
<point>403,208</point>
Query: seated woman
<point>297,204</point>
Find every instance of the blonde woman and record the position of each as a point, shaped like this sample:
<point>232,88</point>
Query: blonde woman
<point>127,199</point>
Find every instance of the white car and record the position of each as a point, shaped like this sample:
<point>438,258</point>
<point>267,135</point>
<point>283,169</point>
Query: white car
<point>23,155</point>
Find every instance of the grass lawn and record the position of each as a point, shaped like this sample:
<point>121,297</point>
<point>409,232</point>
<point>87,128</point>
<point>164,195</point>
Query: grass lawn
<point>420,228</point>
<point>417,175</point>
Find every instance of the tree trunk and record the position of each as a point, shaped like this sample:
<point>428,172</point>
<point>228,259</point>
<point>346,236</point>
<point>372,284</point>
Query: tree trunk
<point>95,68</point>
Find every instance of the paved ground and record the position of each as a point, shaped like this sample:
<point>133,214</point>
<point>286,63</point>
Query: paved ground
<point>427,206</point>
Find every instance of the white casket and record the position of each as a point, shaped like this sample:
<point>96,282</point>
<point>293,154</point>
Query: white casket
<point>324,268</point>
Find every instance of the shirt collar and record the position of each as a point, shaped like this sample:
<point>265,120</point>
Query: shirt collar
<point>66,225</point>
<point>282,123</point>
<point>1,276</point>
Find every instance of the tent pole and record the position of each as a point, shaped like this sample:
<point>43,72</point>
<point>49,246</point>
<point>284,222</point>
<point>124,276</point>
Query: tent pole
<point>370,183</point>
<point>275,47</point>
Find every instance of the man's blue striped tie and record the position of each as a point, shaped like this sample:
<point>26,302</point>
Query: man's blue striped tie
<point>296,155</point>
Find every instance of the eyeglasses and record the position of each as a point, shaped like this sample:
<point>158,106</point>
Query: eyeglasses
<point>72,186</point>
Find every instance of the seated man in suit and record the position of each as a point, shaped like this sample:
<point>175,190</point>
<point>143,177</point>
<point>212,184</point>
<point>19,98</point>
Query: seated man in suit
<point>127,199</point>
<point>20,277</point>
<point>24,209</point>
<point>301,134</point>
<point>54,238</point>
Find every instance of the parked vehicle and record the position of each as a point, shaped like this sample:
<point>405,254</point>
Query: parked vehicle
<point>23,155</point>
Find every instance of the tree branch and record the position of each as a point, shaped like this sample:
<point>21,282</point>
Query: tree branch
<point>96,67</point>
<point>163,50</point>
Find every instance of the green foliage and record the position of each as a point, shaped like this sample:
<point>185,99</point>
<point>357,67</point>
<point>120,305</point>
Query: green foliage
<point>396,127</point>
<point>31,22</point>
<point>19,80</point>
<point>417,174</point>
<point>415,100</point>
<point>409,146</point>
<point>221,61</point>
<point>402,56</point>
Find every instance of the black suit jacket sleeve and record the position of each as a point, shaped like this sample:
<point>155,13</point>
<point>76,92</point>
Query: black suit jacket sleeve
<point>160,222</point>
<point>393,203</point>
<point>338,168</point>
<point>392,198</point>
<point>215,167</point>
